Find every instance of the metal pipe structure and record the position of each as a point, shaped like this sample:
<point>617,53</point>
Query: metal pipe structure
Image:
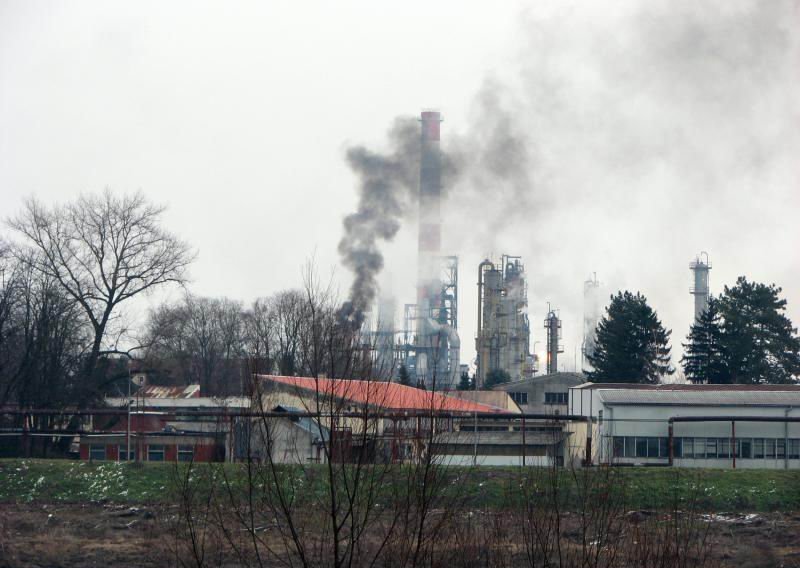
<point>553,326</point>
<point>733,419</point>
<point>478,378</point>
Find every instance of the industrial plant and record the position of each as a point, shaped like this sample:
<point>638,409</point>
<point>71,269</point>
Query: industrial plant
<point>503,337</point>
<point>427,345</point>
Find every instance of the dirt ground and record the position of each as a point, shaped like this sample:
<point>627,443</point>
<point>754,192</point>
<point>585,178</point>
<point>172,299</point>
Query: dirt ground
<point>113,535</point>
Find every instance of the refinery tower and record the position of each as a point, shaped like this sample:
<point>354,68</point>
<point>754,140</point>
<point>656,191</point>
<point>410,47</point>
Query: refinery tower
<point>430,349</point>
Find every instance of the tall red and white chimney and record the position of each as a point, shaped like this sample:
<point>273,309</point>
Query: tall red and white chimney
<point>429,284</point>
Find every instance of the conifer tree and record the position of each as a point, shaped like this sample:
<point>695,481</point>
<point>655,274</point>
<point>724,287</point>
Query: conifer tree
<point>402,376</point>
<point>705,359</point>
<point>760,342</point>
<point>632,344</point>
<point>465,383</point>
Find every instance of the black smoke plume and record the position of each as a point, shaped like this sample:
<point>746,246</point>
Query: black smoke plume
<point>387,189</point>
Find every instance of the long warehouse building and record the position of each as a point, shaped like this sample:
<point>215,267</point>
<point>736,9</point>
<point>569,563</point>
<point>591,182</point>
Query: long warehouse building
<point>719,426</point>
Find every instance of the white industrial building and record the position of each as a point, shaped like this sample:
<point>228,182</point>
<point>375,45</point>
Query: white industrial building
<point>721,426</point>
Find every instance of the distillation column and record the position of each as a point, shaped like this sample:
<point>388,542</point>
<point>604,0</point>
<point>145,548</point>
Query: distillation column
<point>700,267</point>
<point>552,325</point>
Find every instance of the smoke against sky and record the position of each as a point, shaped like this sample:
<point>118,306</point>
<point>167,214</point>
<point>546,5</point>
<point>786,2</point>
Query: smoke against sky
<point>386,192</point>
<point>646,135</point>
<point>633,135</point>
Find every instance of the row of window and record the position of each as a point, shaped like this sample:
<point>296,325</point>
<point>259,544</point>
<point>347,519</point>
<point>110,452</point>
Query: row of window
<point>155,452</point>
<point>556,398</point>
<point>549,397</point>
<point>706,448</point>
<point>519,397</point>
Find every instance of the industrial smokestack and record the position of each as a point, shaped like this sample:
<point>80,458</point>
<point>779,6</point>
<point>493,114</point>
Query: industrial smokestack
<point>429,283</point>
<point>700,266</point>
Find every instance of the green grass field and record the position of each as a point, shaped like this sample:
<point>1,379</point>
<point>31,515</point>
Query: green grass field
<point>645,488</point>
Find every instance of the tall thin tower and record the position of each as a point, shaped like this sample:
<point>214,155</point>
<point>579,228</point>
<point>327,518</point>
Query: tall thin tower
<point>437,340</point>
<point>700,267</point>
<point>552,324</point>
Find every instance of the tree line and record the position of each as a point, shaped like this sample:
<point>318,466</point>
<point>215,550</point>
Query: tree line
<point>744,336</point>
<point>68,276</point>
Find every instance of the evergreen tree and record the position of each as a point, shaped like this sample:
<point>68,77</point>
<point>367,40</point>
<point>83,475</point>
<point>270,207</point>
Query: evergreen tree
<point>465,383</point>
<point>760,343</point>
<point>632,344</point>
<point>402,376</point>
<point>496,377</point>
<point>705,359</point>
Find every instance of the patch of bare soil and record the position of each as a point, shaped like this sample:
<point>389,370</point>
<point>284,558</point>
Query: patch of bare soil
<point>71,535</point>
<point>46,535</point>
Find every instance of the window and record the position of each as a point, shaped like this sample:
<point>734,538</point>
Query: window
<point>641,447</point>
<point>663,447</point>
<point>651,447</point>
<point>688,448</point>
<point>724,448</point>
<point>769,449</point>
<point>185,453</point>
<point>619,447</point>
<point>630,447</point>
<point>744,448</point>
<point>122,449</point>
<point>519,397</point>
<point>97,452</point>
<point>780,453</point>
<point>677,448</point>
<point>794,449</point>
<point>556,398</point>
<point>155,453</point>
<point>758,448</point>
<point>711,447</point>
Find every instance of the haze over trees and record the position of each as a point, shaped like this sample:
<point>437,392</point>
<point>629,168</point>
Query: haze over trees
<point>632,344</point>
<point>743,337</point>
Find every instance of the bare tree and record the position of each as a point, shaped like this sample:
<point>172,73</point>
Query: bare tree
<point>201,339</point>
<point>259,329</point>
<point>102,250</point>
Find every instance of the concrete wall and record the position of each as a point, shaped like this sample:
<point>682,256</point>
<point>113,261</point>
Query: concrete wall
<point>462,460</point>
<point>538,386</point>
<point>288,442</point>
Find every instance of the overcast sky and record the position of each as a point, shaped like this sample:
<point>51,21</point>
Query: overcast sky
<point>643,132</point>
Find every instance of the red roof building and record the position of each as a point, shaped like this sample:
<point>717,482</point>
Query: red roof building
<point>383,395</point>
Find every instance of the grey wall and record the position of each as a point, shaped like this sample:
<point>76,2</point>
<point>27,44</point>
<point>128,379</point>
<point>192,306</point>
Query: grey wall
<point>538,386</point>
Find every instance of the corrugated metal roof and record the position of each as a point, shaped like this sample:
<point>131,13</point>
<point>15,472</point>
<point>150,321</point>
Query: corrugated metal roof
<point>690,387</point>
<point>392,396</point>
<point>195,402</point>
<point>155,391</point>
<point>701,397</point>
<point>542,379</point>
